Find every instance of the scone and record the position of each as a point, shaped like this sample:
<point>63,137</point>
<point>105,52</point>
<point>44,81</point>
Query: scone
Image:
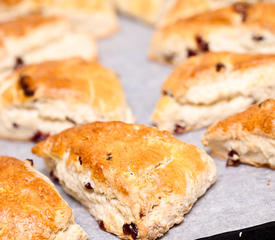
<point>210,87</point>
<point>247,137</point>
<point>31,208</point>
<point>135,180</point>
<point>188,8</point>
<point>242,28</point>
<point>41,99</point>
<point>36,38</point>
<point>96,16</point>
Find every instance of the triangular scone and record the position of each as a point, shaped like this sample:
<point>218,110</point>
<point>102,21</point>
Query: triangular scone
<point>210,87</point>
<point>96,16</point>
<point>42,99</point>
<point>247,137</point>
<point>31,208</point>
<point>240,28</point>
<point>36,38</point>
<point>188,8</point>
<point>135,180</point>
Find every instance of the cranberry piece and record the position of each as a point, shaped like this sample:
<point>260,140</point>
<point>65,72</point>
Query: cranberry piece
<point>88,186</point>
<point>25,86</point>
<point>39,136</point>
<point>130,229</point>
<point>101,225</point>
<point>109,156</point>
<point>30,160</point>
<point>53,177</point>
<point>179,129</point>
<point>219,67</point>
<point>202,45</point>
<point>19,62</point>
<point>233,159</point>
<point>191,52</point>
<point>257,38</point>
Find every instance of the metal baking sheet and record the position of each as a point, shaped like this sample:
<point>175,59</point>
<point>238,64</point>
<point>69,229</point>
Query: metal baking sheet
<point>242,196</point>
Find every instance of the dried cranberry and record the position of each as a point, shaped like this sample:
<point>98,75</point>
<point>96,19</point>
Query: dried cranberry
<point>25,86</point>
<point>80,160</point>
<point>258,38</point>
<point>233,159</point>
<point>30,160</point>
<point>219,67</point>
<point>202,45</point>
<point>88,186</point>
<point>260,104</point>
<point>141,214</point>
<point>101,225</point>
<point>39,136</point>
<point>19,62</point>
<point>179,129</point>
<point>191,52</point>
<point>53,177</point>
<point>109,156</point>
<point>130,229</point>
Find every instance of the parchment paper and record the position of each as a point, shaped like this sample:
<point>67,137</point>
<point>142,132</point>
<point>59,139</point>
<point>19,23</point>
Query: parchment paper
<point>241,197</point>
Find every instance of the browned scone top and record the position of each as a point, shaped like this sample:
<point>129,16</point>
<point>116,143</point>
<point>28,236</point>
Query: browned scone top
<point>258,15</point>
<point>213,67</point>
<point>188,8</point>
<point>143,168</point>
<point>21,26</point>
<point>259,119</point>
<point>74,80</point>
<point>30,206</point>
<point>135,149</point>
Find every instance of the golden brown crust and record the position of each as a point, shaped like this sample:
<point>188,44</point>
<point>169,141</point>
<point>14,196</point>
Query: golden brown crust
<point>194,70</point>
<point>187,8</point>
<point>259,119</point>
<point>30,206</point>
<point>74,80</point>
<point>257,15</point>
<point>127,157</point>
<point>23,25</point>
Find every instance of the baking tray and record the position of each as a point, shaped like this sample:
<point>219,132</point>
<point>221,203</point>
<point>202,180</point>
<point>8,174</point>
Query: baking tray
<point>242,196</point>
